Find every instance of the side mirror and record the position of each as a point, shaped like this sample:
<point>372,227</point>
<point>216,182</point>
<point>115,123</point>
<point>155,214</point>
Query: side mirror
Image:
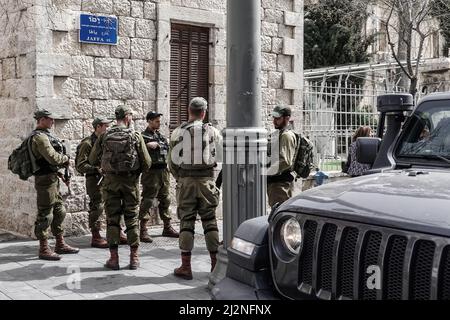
<point>367,149</point>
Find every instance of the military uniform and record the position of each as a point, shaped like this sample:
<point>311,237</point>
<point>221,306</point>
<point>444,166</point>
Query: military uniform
<point>48,152</point>
<point>196,191</point>
<point>280,184</point>
<point>93,176</point>
<point>156,183</point>
<point>120,188</point>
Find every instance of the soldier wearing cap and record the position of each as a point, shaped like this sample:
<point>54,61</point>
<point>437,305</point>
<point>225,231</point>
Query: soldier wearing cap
<point>122,155</point>
<point>49,153</point>
<point>93,175</point>
<point>280,183</point>
<point>155,182</point>
<point>191,161</point>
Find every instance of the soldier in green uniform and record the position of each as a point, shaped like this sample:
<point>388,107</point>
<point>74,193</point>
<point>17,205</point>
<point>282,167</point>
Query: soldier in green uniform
<point>280,183</point>
<point>48,151</point>
<point>191,161</point>
<point>122,155</point>
<point>155,182</point>
<point>93,175</point>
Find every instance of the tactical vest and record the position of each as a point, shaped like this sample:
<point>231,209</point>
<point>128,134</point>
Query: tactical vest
<point>202,147</point>
<point>158,155</point>
<point>92,138</point>
<point>120,153</point>
<point>44,165</point>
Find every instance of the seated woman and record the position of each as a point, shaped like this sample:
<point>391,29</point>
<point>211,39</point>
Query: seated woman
<point>354,167</point>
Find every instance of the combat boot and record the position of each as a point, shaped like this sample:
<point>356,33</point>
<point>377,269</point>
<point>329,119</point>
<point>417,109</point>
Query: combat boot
<point>143,234</point>
<point>184,271</point>
<point>63,248</point>
<point>123,237</point>
<point>113,261</point>
<point>168,231</point>
<point>97,240</point>
<point>213,256</point>
<point>45,253</point>
<point>134,259</point>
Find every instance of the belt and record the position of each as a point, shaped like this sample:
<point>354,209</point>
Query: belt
<point>158,166</point>
<point>123,174</point>
<point>196,173</point>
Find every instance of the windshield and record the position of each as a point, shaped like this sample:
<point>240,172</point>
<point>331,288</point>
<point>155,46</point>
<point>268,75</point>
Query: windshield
<point>428,132</point>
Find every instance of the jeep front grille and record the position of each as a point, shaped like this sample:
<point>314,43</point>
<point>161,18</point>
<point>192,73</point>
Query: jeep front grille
<point>338,257</point>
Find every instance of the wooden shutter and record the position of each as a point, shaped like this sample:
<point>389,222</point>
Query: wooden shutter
<point>189,69</point>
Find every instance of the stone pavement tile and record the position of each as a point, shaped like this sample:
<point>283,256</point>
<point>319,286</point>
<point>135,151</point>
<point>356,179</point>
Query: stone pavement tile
<point>4,297</point>
<point>15,286</point>
<point>93,296</point>
<point>72,296</point>
<point>146,288</point>
<point>28,294</point>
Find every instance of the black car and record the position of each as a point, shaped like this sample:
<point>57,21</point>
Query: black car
<point>385,235</point>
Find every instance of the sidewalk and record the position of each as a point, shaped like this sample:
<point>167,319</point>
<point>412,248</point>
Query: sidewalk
<point>82,276</point>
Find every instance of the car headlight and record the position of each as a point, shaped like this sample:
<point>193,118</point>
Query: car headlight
<point>242,246</point>
<point>291,235</point>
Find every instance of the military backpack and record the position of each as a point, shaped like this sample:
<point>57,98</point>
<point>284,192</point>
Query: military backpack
<point>304,156</point>
<point>22,161</point>
<point>120,153</point>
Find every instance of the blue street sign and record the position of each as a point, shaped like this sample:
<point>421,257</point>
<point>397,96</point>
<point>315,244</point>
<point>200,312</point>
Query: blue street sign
<point>98,29</point>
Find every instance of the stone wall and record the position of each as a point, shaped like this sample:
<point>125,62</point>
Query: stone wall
<point>17,100</point>
<point>79,81</point>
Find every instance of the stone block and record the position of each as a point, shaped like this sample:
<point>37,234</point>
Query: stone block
<point>284,96</point>
<point>269,29</point>
<point>133,69</point>
<point>122,49</point>
<point>285,31</point>
<point>145,29</point>
<point>53,64</point>
<point>293,19</point>
<point>25,66</point>
<point>121,89</point>
<point>82,66</point>
<point>137,107</point>
<point>9,68</point>
<point>277,45</point>
<point>284,63</point>
<point>127,27</point>
<point>97,6</point>
<point>275,80</point>
<point>266,44</point>
<point>94,88</point>
<point>70,129</point>
<point>144,90</point>
<point>59,107</point>
<point>150,70</point>
<point>269,61</point>
<point>82,108</point>
<point>95,50</point>
<point>142,49</point>
<point>291,80</point>
<point>274,16</point>
<point>103,108</point>
<point>137,9</point>
<point>290,46</point>
<point>66,87</point>
<point>122,7</point>
<point>269,96</point>
<point>108,68</point>
<point>44,86</point>
<point>150,10</point>
<point>264,79</point>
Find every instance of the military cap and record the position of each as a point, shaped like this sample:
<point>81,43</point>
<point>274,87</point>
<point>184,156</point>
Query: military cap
<point>281,111</point>
<point>152,115</point>
<point>198,103</point>
<point>42,113</point>
<point>121,111</point>
<point>100,120</point>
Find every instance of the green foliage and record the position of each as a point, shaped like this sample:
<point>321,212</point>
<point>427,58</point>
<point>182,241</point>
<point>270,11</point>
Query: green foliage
<point>333,33</point>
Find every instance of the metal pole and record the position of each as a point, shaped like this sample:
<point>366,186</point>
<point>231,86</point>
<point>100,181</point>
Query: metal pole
<point>245,140</point>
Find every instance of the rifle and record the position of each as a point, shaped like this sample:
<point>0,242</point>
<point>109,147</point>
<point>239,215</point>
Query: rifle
<point>67,176</point>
